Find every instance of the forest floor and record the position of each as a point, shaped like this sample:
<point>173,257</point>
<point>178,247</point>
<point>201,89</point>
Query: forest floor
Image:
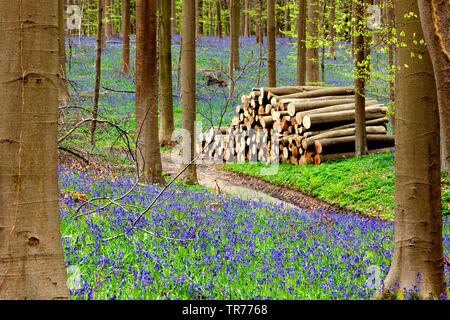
<point>244,186</point>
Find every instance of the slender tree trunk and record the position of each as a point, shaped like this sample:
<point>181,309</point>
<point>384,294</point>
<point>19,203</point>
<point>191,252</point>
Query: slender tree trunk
<point>436,27</point>
<point>312,51</point>
<point>271,45</point>
<point>353,25</point>
<point>165,74</point>
<point>188,88</point>
<point>246,18</point>
<point>88,18</point>
<point>102,4</point>
<point>324,39</point>
<point>236,25</point>
<point>259,36</point>
<point>147,142</point>
<point>126,37</point>
<point>332,30</point>
<point>98,63</point>
<point>360,100</point>
<point>31,254</point>
<point>108,16</point>
<point>232,60</point>
<point>219,19</point>
<point>287,18</point>
<point>418,221</point>
<point>301,45</point>
<point>211,19</point>
<point>200,18</point>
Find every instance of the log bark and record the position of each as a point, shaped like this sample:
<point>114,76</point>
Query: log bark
<point>342,116</point>
<point>318,93</point>
<point>308,142</point>
<point>330,145</point>
<point>332,108</point>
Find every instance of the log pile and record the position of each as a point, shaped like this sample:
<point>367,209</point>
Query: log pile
<point>296,124</point>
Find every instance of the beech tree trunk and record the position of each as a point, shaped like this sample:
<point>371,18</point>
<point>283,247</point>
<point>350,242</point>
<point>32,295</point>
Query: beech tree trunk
<point>301,44</point>
<point>31,255</point>
<point>434,17</point>
<point>126,37</point>
<point>188,88</point>
<point>418,220</point>
<point>165,73</point>
<point>147,142</point>
<point>312,51</point>
<point>271,45</point>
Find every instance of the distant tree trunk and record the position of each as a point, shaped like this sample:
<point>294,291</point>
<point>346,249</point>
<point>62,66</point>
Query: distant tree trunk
<point>102,4</point>
<point>324,39</point>
<point>360,100</point>
<point>287,18</point>
<point>108,16</point>
<point>211,19</point>
<point>165,74</point>
<point>64,94</point>
<point>174,17</point>
<point>98,71</point>
<point>301,45</point>
<point>332,30</point>
<point>418,245</point>
<point>259,27</point>
<point>88,18</point>
<point>233,35</point>
<point>201,27</point>
<point>188,88</point>
<point>236,22</point>
<point>271,45</point>
<point>114,14</point>
<point>246,18</point>
<point>353,26</point>
<point>147,142</point>
<point>434,17</point>
<point>31,255</point>
<point>219,19</point>
<point>312,51</point>
<point>126,37</point>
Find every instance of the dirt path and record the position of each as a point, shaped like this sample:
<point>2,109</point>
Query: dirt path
<point>249,187</point>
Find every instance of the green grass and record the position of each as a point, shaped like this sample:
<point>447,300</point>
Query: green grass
<point>365,184</point>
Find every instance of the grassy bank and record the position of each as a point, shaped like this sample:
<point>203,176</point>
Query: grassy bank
<point>366,184</point>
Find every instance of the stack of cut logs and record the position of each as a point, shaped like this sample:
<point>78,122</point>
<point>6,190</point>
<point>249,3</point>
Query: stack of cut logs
<point>314,124</point>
